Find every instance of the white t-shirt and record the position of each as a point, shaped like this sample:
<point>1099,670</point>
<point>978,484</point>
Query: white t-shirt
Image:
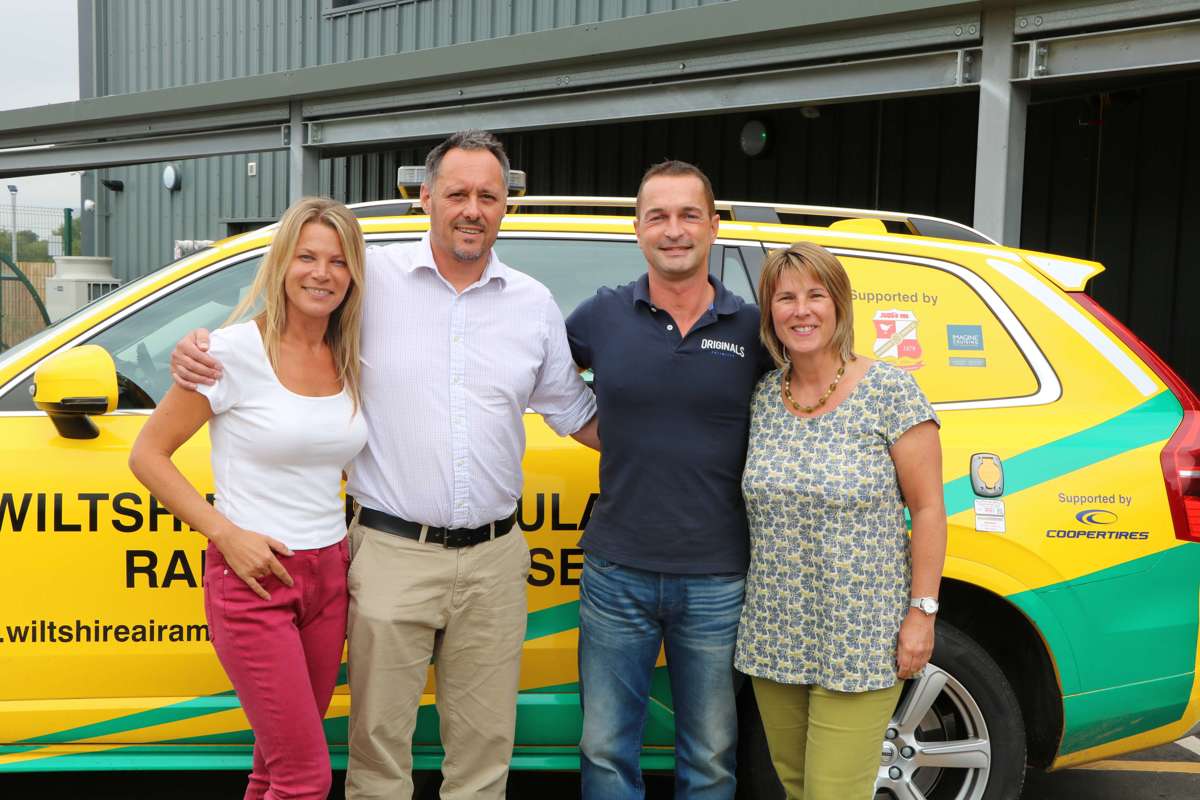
<point>277,456</point>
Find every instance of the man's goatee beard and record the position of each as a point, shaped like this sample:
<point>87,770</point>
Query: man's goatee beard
<point>468,255</point>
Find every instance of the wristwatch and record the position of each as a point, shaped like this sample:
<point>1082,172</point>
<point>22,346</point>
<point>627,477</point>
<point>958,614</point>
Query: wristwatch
<point>927,604</point>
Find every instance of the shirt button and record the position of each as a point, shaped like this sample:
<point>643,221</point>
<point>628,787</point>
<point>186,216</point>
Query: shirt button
<point>670,327</point>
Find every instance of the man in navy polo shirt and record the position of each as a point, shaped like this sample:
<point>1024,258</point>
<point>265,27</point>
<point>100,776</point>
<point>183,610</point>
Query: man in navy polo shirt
<point>676,357</point>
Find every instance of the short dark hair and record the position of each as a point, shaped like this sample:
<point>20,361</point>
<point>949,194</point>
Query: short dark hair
<point>472,139</point>
<point>673,168</point>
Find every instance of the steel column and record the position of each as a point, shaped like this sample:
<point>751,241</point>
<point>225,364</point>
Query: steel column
<point>1000,141</point>
<point>303,161</point>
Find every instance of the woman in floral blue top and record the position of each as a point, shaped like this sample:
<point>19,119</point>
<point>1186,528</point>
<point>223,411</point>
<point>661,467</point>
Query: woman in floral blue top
<point>839,603</point>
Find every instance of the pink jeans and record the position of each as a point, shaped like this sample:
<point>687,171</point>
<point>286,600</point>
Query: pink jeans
<point>282,656</point>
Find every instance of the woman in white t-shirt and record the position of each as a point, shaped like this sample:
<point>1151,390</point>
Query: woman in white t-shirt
<point>284,421</point>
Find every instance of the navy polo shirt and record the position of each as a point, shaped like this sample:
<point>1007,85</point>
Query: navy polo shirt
<point>674,416</point>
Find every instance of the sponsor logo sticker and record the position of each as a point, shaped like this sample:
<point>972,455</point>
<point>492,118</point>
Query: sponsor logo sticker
<point>896,339</point>
<point>1096,516</point>
<point>964,337</point>
<point>966,361</point>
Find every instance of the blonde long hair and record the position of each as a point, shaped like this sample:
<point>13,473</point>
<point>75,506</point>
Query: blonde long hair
<point>342,331</point>
<point>811,259</point>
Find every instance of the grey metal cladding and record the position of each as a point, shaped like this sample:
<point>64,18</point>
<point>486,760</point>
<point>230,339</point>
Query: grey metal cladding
<point>143,221</point>
<point>158,44</point>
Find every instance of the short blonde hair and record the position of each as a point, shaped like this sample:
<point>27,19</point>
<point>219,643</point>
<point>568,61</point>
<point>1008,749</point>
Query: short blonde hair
<point>808,259</point>
<point>342,332</point>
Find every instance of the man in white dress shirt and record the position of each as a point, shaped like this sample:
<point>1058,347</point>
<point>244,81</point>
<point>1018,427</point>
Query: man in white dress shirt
<point>455,346</point>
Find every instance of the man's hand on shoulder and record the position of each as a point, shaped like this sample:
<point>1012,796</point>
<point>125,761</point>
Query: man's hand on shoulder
<point>191,364</point>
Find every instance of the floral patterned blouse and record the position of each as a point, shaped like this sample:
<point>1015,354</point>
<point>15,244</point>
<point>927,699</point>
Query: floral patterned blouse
<point>830,566</point>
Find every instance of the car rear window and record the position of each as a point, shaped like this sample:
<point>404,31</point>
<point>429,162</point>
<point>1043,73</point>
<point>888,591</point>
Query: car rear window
<point>932,322</point>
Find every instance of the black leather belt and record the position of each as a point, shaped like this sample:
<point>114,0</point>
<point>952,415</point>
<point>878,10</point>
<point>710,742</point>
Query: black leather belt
<point>447,537</point>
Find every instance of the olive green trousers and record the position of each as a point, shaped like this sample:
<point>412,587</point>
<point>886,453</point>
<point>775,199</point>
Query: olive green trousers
<point>825,744</point>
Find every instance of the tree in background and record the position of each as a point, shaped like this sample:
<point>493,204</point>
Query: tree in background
<point>29,246</point>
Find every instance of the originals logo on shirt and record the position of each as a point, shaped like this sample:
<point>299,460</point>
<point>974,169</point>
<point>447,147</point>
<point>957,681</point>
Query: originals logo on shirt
<point>720,348</point>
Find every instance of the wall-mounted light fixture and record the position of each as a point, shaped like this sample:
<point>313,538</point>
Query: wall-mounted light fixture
<point>754,138</point>
<point>112,185</point>
<point>172,178</point>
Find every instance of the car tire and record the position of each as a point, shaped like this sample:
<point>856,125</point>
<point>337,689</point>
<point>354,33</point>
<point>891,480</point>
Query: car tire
<point>960,725</point>
<point>957,732</point>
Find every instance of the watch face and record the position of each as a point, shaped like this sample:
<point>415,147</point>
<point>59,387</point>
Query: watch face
<point>929,605</point>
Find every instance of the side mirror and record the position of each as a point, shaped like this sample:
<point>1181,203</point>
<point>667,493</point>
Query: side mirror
<point>74,384</point>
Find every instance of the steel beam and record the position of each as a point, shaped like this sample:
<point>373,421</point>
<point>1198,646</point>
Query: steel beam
<point>1169,45</point>
<point>809,47</point>
<point>629,40</point>
<point>902,75</point>
<point>1053,16</point>
<point>1000,148</point>
<point>153,125</point>
<point>15,163</point>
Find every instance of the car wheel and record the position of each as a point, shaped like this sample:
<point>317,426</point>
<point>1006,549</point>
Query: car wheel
<point>957,732</point>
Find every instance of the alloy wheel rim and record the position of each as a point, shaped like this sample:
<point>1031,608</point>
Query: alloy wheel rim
<point>937,741</point>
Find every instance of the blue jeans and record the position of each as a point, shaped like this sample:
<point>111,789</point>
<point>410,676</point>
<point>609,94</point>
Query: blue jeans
<point>625,614</point>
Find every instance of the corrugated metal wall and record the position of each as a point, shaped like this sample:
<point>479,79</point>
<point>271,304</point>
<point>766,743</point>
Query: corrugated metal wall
<point>221,39</point>
<point>155,44</point>
<point>906,153</point>
<point>1112,177</point>
<point>1107,176</point>
<point>139,225</point>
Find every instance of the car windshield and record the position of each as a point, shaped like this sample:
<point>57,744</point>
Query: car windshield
<point>113,298</point>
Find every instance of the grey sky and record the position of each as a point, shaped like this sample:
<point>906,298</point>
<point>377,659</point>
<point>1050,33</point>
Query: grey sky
<point>39,64</point>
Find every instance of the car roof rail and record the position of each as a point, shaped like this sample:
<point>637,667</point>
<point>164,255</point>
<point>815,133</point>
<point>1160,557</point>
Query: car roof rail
<point>383,208</point>
<point>770,213</point>
<point>745,211</point>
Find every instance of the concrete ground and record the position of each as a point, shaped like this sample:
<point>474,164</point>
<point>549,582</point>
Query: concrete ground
<point>1170,772</point>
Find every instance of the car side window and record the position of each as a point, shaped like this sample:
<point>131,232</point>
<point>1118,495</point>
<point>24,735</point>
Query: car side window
<point>141,343</point>
<point>573,269</point>
<point>934,323</point>
<point>734,276</point>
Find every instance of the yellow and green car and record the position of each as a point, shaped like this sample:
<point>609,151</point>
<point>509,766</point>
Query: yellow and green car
<point>1071,598</point>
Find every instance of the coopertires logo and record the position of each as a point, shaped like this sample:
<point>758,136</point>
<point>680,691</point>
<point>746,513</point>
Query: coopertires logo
<point>1096,516</point>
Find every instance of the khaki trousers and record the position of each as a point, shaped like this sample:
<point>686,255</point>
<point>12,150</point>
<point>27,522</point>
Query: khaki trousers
<point>825,744</point>
<point>466,608</point>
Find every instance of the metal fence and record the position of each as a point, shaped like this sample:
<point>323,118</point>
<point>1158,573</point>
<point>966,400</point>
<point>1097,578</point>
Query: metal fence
<point>30,237</point>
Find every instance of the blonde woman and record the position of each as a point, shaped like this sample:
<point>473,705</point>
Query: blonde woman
<point>839,604</point>
<point>284,421</point>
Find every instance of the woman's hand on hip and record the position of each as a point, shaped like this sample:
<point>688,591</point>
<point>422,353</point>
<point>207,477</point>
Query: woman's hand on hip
<point>252,556</point>
<point>915,645</point>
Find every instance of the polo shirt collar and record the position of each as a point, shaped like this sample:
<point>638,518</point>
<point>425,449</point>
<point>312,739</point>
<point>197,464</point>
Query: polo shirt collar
<point>724,301</point>
<point>495,269</point>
